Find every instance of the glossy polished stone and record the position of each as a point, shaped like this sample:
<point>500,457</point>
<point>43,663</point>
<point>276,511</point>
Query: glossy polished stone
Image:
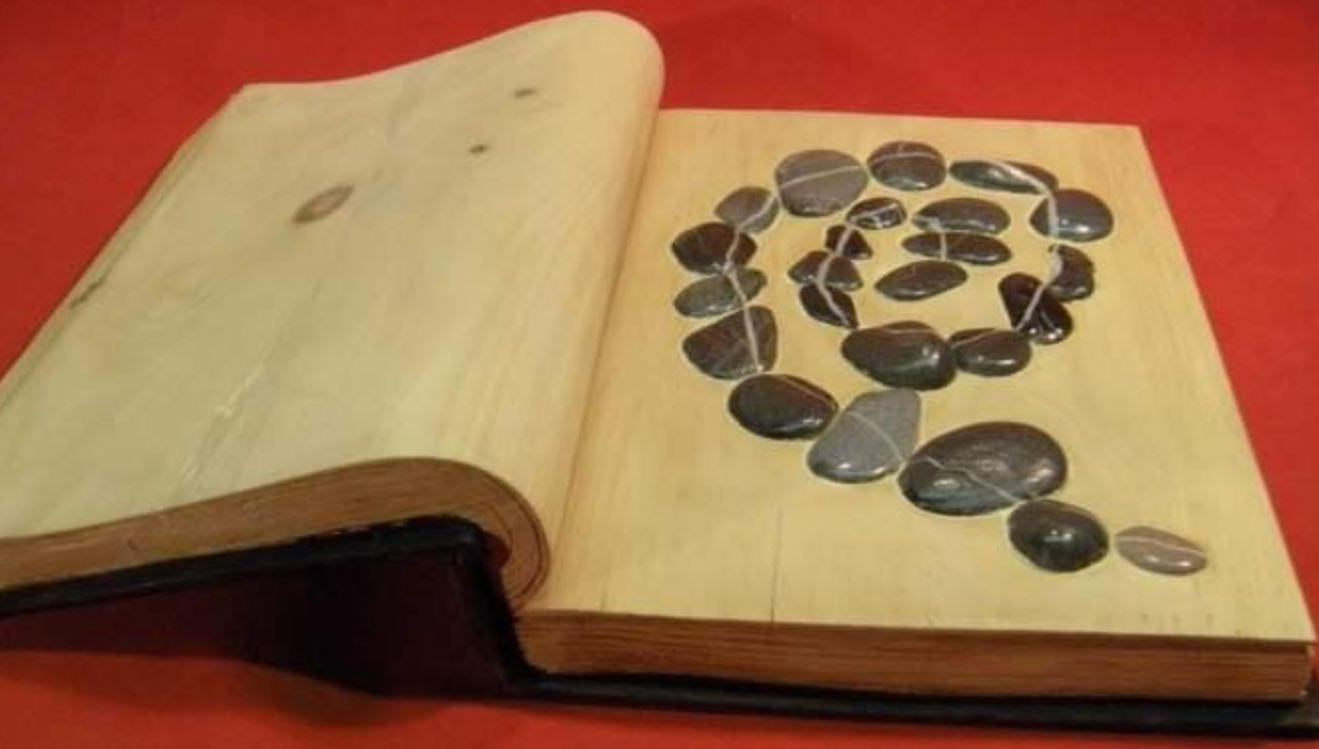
<point>870,439</point>
<point>905,354</point>
<point>1160,552</point>
<point>877,213</point>
<point>964,247</point>
<point>1081,217</point>
<point>749,209</point>
<point>1038,315</point>
<point>1004,176</point>
<point>848,241</point>
<point>736,345</point>
<point>907,165</point>
<point>828,305</point>
<point>711,247</point>
<point>962,214</point>
<point>838,271</point>
<point>781,407</point>
<point>982,468</point>
<point>990,352</point>
<point>819,182</point>
<point>1056,536</point>
<point>716,295</point>
<point>921,280</point>
<point>1076,279</point>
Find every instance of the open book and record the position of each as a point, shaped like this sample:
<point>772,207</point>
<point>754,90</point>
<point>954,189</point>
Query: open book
<point>452,288</point>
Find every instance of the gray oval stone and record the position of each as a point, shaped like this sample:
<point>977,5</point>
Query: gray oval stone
<point>749,209</point>
<point>828,305</point>
<point>990,352</point>
<point>905,354</point>
<point>819,182</point>
<point>1032,311</point>
<point>847,240</point>
<point>1160,552</point>
<point>921,280</point>
<point>1076,277</point>
<point>1079,216</point>
<point>1004,176</point>
<point>962,246</point>
<point>781,407</point>
<point>716,295</point>
<point>877,213</point>
<point>870,439</point>
<point>838,271</point>
<point>736,345</point>
<point>982,468</point>
<point>907,165</point>
<point>1057,536</point>
<point>962,214</point>
<point>712,247</point>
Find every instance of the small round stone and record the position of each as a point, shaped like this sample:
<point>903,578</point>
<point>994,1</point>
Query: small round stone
<point>1057,536</point>
<point>990,352</point>
<point>1080,217</point>
<point>905,354</point>
<point>749,209</point>
<point>712,247</point>
<point>845,239</point>
<point>877,213</point>
<point>1160,552</point>
<point>921,280</point>
<point>1004,176</point>
<point>907,165</point>
<point>983,467</point>
<point>1076,279</point>
<point>962,214</point>
<point>781,407</point>
<point>828,305</point>
<point>962,246</point>
<point>819,182</point>
<point>838,272</point>
<point>1038,315</point>
<point>716,295</point>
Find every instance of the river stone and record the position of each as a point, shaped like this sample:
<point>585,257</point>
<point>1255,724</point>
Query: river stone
<point>1076,279</point>
<point>990,352</point>
<point>750,209</point>
<point>1160,552</point>
<point>962,214</point>
<point>1056,536</point>
<point>781,407</point>
<point>1048,322</point>
<point>819,182</point>
<point>847,240</point>
<point>877,213</point>
<point>982,468</point>
<point>711,247</point>
<point>1081,217</point>
<point>905,354</point>
<point>716,295</point>
<point>964,247</point>
<point>921,279</point>
<point>739,344</point>
<point>907,165</point>
<point>828,305</point>
<point>870,439</point>
<point>841,272</point>
<point>1004,176</point>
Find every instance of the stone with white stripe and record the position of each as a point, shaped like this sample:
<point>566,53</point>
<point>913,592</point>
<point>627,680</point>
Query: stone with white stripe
<point>982,468</point>
<point>870,439</point>
<point>819,182</point>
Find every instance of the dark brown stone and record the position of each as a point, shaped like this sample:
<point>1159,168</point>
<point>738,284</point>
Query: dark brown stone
<point>749,209</point>
<point>848,241</point>
<point>905,354</point>
<point>964,247</point>
<point>828,305</point>
<point>819,182</point>
<point>907,165</point>
<point>1033,312</point>
<point>839,272</point>
<point>921,279</point>
<point>1004,176</point>
<point>1080,217</point>
<point>1076,276</point>
<point>877,213</point>
<point>982,468</point>
<point>990,352</point>
<point>739,344</point>
<point>713,247</point>
<point>1056,536</point>
<point>962,214</point>
<point>781,407</point>
<point>716,295</point>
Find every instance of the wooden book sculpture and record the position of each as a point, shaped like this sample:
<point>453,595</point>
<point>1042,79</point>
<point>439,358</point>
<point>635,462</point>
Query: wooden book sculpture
<point>894,410</point>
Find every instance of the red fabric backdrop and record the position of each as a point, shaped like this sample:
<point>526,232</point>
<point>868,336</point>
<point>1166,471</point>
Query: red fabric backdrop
<point>95,96</point>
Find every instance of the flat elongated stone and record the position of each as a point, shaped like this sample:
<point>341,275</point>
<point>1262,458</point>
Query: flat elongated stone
<point>982,468</point>
<point>1080,217</point>
<point>749,209</point>
<point>870,439</point>
<point>736,345</point>
<point>839,272</point>
<point>1032,312</point>
<point>819,182</point>
<point>1057,536</point>
<point>962,214</point>
<point>1004,176</point>
<point>711,247</point>
<point>1160,552</point>
<point>921,279</point>
<point>877,213</point>
<point>964,247</point>
<point>716,295</point>
<point>905,354</point>
<point>781,407</point>
<point>848,241</point>
<point>990,352</point>
<point>828,305</point>
<point>1076,280</point>
<point>907,165</point>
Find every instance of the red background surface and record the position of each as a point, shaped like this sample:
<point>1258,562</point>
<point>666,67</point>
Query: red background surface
<point>95,96</point>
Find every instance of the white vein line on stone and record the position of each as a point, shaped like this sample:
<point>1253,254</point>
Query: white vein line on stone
<point>1051,213</point>
<point>806,391</point>
<point>874,213</point>
<point>1055,270</point>
<point>804,178</point>
<point>822,271</point>
<point>901,154</point>
<point>753,346</point>
<point>757,214</point>
<point>972,477</point>
<point>877,429</point>
<point>987,332</point>
<point>1163,544</point>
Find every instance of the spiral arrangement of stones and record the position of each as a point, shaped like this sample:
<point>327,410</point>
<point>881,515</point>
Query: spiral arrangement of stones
<point>973,470</point>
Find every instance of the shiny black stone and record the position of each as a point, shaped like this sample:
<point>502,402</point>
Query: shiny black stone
<point>962,214</point>
<point>1081,217</point>
<point>840,272</point>
<point>1056,536</point>
<point>905,354</point>
<point>964,247</point>
<point>921,279</point>
<point>1038,315</point>
<point>1076,280</point>
<point>990,352</point>
<point>877,213</point>
<point>1004,176</point>
<point>828,305</point>
<point>982,468</point>
<point>715,295</point>
<point>907,165</point>
<point>723,349</point>
<point>781,407</point>
<point>847,240</point>
<point>712,247</point>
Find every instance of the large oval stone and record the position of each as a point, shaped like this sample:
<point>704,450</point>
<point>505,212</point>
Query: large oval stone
<point>877,213</point>
<point>716,295</point>
<point>905,354</point>
<point>1160,552</point>
<point>982,468</point>
<point>962,214</point>
<point>1076,275</point>
<point>990,352</point>
<point>781,407</point>
<point>749,209</point>
<point>713,247</point>
<point>1056,536</point>
<point>819,182</point>
<point>830,269</point>
<point>870,439</point>
<point>1078,216</point>
<point>1004,176</point>
<point>828,305</point>
<point>736,345</point>
<point>921,280</point>
<point>1037,314</point>
<point>907,165</point>
<point>962,246</point>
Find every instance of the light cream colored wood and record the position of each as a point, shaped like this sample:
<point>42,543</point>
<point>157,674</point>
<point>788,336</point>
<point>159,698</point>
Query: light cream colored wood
<point>448,313</point>
<point>679,513</point>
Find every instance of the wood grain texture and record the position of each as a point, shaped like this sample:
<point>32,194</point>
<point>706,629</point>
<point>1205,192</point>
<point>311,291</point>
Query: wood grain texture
<point>679,513</point>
